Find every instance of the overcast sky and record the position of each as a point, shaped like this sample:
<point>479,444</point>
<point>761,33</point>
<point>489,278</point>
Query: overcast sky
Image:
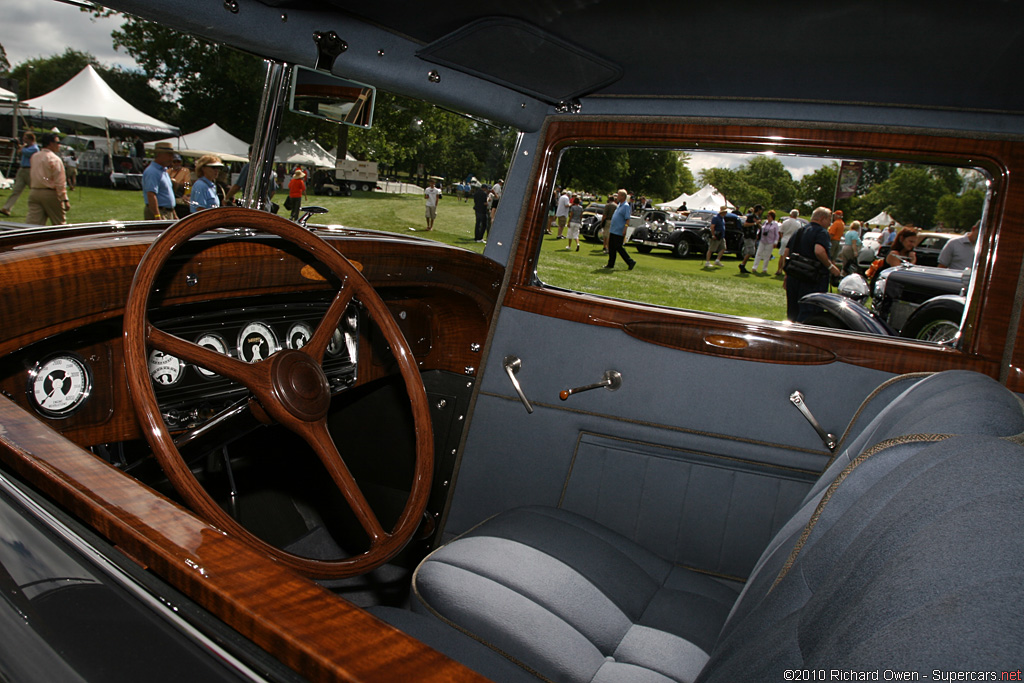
<point>43,28</point>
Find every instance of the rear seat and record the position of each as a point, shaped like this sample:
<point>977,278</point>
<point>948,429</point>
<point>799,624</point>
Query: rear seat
<point>907,554</point>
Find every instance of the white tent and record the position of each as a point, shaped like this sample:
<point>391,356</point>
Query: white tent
<point>706,198</point>
<point>87,99</point>
<point>7,94</point>
<point>210,140</point>
<point>303,153</point>
<point>882,220</point>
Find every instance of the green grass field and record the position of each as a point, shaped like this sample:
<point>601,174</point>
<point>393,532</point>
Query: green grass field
<point>659,277</point>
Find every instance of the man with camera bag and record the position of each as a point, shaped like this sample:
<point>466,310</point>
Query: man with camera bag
<point>807,264</point>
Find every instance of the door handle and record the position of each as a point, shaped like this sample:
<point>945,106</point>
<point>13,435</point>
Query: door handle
<point>512,365</point>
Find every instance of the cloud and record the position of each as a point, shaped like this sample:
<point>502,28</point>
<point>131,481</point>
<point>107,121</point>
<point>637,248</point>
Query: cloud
<point>44,28</point>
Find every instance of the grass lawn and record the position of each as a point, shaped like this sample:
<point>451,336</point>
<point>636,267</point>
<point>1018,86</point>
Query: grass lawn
<point>659,277</point>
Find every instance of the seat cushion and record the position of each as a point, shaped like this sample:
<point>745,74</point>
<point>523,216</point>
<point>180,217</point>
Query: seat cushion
<point>561,594</point>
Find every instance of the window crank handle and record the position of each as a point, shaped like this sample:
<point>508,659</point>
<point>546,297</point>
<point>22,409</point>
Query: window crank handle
<point>612,380</point>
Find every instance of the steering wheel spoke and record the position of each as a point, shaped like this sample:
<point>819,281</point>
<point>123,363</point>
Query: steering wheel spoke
<point>319,438</point>
<point>225,366</point>
<point>290,387</point>
<point>316,347</point>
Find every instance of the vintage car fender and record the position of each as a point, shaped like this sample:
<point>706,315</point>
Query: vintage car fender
<point>850,313</point>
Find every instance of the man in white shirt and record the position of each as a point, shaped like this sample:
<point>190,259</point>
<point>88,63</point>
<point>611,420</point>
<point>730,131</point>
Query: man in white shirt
<point>786,230</point>
<point>562,214</point>
<point>433,196</point>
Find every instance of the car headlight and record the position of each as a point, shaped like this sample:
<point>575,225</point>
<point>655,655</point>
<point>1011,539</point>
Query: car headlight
<point>880,286</point>
<point>854,287</point>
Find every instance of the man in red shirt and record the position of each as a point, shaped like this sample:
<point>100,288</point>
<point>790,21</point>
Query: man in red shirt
<point>836,232</point>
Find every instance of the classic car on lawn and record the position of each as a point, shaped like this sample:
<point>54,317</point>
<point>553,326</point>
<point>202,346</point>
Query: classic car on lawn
<point>686,237</point>
<point>918,302</point>
<point>234,447</point>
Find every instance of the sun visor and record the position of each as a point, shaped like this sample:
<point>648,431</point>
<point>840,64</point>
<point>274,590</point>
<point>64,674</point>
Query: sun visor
<point>522,57</point>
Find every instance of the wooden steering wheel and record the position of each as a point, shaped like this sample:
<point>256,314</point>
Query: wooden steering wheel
<point>289,388</point>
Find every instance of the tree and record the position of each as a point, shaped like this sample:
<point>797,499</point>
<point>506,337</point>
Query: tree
<point>208,82</point>
<point>911,195</point>
<point>818,188</point>
<point>959,213</point>
<point>769,175</point>
<point>652,172</point>
<point>5,64</point>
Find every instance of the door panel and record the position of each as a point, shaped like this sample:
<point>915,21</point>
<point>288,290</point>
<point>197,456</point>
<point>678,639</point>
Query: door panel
<point>710,456</point>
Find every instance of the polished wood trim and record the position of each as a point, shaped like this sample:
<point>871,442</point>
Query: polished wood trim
<point>316,633</point>
<point>57,295</point>
<point>996,279</point>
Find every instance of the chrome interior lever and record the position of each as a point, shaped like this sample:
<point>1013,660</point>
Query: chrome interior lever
<point>611,380</point>
<point>512,365</point>
<point>797,399</point>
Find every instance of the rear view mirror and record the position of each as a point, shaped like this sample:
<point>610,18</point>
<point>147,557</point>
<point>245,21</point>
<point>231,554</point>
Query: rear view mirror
<point>325,96</point>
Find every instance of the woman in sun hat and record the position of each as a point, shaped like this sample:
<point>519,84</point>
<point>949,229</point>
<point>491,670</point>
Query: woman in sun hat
<point>204,190</point>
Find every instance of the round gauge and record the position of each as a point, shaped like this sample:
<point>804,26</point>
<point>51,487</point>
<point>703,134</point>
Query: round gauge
<point>214,342</point>
<point>256,342</point>
<point>336,344</point>
<point>164,368</point>
<point>299,335</point>
<point>59,385</point>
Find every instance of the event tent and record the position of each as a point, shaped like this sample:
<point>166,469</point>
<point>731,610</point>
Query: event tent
<point>706,198</point>
<point>882,220</point>
<point>210,140</point>
<point>303,153</point>
<point>7,94</point>
<point>87,99</point>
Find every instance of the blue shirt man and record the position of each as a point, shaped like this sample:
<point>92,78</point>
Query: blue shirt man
<point>26,155</point>
<point>718,226</point>
<point>617,232</point>
<point>620,218</point>
<point>156,184</point>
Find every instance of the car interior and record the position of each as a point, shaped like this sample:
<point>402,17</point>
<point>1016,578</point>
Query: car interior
<point>378,457</point>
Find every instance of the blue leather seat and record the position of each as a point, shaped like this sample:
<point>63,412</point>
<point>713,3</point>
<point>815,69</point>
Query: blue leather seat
<point>908,553</point>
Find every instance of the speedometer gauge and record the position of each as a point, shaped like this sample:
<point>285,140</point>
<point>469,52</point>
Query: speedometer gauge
<point>164,368</point>
<point>299,335</point>
<point>214,342</point>
<point>59,385</point>
<point>256,342</point>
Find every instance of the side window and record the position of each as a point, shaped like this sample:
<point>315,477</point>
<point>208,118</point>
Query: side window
<point>707,232</point>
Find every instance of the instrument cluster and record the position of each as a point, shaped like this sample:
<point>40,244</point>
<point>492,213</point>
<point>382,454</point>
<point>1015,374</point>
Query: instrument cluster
<point>189,394</point>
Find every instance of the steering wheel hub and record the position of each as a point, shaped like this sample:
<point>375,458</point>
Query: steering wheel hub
<point>300,385</point>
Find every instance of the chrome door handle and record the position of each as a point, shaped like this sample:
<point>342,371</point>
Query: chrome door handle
<point>512,365</point>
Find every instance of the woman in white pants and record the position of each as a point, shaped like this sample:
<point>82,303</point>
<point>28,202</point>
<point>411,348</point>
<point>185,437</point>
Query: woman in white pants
<point>766,242</point>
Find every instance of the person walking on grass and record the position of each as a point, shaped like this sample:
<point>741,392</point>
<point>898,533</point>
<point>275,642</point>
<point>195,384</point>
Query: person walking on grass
<point>716,241</point>
<point>766,243</point>
<point>575,223</point>
<point>432,195</point>
<point>22,178</point>
<point>617,231</point>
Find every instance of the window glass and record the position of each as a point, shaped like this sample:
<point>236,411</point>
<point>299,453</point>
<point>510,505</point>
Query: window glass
<point>681,201</point>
